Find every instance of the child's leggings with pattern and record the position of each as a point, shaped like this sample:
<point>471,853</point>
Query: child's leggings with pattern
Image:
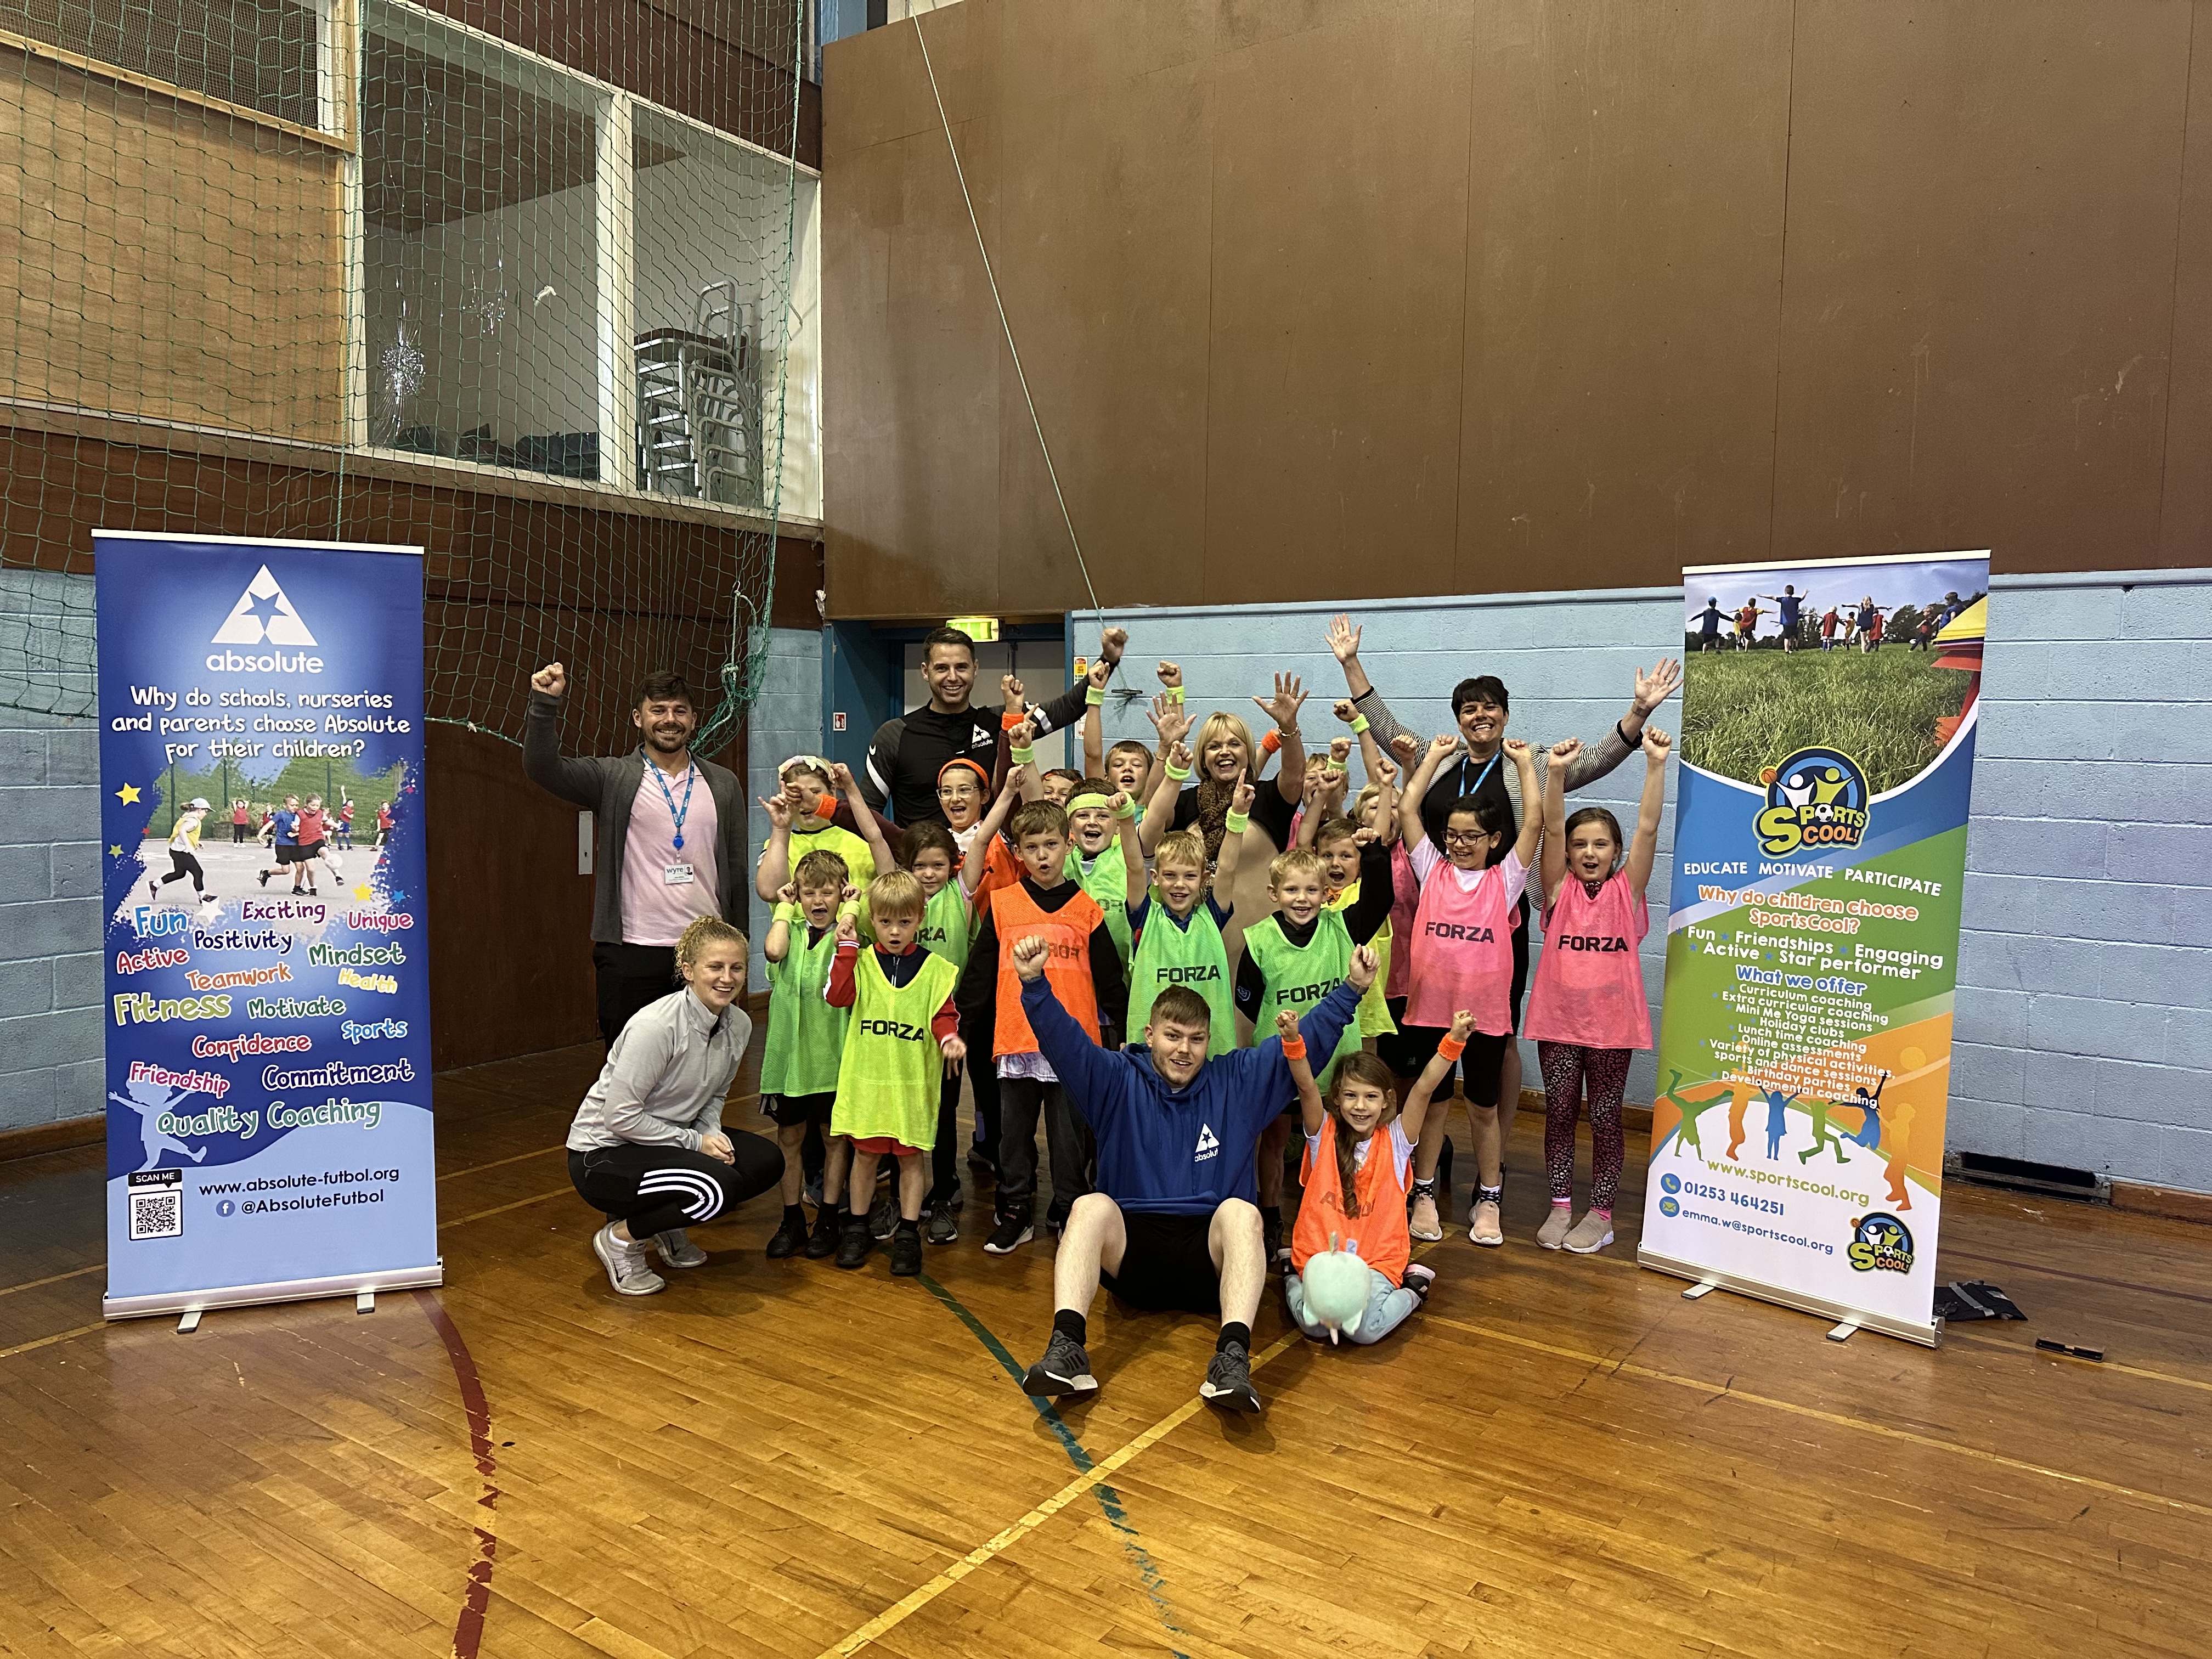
<point>1566,1067</point>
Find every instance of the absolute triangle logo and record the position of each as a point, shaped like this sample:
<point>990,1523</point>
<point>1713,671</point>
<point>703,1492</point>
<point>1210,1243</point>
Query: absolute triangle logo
<point>263,613</point>
<point>1208,1145</point>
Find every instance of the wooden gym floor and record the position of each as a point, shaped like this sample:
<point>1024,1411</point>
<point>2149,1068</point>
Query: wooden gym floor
<point>1559,1457</point>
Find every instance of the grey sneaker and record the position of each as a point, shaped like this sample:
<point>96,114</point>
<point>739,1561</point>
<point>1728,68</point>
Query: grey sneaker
<point>944,1225</point>
<point>677,1250</point>
<point>1591,1234</point>
<point>1228,1381</point>
<point>1553,1233</point>
<point>1065,1369</point>
<point>883,1219</point>
<point>626,1269</point>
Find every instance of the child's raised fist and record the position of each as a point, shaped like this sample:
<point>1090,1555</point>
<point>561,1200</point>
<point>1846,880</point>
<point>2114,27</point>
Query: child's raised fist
<point>1343,710</point>
<point>850,895</point>
<point>1517,747</point>
<point>1364,962</point>
<point>1022,735</point>
<point>1171,673</point>
<point>1100,672</point>
<point>1339,750</point>
<point>1112,643</point>
<point>1443,743</point>
<point>848,929</point>
<point>1029,956</point>
<point>787,894</point>
<point>1407,747</point>
<point>1286,1023</point>
<point>1566,749</point>
<point>1118,803</point>
<point>1462,1026</point>
<point>840,776</point>
<point>1657,744</point>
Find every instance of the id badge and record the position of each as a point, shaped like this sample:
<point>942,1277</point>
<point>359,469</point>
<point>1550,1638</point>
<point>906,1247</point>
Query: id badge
<point>677,875</point>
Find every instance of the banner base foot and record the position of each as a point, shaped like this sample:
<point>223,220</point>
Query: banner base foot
<point>1705,1279</point>
<point>1843,1332</point>
<point>189,1323</point>
<point>192,1303</point>
<point>365,1303</point>
<point>1704,1288</point>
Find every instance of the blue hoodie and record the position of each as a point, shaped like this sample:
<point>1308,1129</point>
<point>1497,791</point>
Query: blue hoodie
<point>1176,1151</point>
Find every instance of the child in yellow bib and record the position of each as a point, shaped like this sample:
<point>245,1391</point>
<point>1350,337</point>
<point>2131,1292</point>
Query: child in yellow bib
<point>902,1037</point>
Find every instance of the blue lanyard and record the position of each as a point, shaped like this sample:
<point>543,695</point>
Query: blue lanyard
<point>1475,787</point>
<point>678,814</point>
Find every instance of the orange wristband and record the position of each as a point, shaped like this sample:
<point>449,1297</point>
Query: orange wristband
<point>1271,741</point>
<point>1294,1046</point>
<point>826,808</point>
<point>1450,1047</point>
<point>1008,720</point>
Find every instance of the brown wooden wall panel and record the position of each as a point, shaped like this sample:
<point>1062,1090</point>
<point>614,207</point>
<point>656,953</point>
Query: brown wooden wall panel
<point>1511,295</point>
<point>1978,300</point>
<point>1626,240</point>
<point>165,261</point>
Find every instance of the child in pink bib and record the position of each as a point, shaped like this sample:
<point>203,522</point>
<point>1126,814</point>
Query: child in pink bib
<point>1587,1010</point>
<point>1462,949</point>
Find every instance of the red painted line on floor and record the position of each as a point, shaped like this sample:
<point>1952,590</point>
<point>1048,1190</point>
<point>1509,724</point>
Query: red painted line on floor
<point>468,1627</point>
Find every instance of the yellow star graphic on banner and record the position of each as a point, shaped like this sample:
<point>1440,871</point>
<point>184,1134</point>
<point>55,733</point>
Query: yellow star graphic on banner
<point>127,794</point>
<point>363,894</point>
<point>115,852</point>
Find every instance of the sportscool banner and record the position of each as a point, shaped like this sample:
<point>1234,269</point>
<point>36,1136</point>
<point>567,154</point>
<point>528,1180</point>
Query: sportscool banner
<point>268,1028</point>
<point>1827,751</point>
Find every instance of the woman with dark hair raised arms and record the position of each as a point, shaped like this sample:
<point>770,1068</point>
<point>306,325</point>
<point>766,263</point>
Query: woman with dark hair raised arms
<point>1481,706</point>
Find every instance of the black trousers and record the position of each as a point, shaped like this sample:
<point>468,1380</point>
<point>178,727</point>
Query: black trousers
<point>630,976</point>
<point>656,1188</point>
<point>182,865</point>
<point>979,1033</point>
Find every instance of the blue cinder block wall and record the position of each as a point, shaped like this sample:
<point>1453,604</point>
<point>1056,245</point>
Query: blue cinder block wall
<point>51,983</point>
<point>2084,1013</point>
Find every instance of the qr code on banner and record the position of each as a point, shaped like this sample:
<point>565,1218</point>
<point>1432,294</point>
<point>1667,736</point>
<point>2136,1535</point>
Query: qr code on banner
<point>157,1203</point>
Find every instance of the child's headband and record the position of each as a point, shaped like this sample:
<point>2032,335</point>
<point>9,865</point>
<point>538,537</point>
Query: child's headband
<point>982,776</point>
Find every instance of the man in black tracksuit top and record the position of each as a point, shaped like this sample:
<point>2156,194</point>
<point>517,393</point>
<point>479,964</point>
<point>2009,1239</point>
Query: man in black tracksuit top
<point>908,752</point>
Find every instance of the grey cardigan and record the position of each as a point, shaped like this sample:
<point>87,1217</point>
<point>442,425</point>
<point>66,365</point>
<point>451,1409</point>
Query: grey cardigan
<point>606,785</point>
<point>1595,760</point>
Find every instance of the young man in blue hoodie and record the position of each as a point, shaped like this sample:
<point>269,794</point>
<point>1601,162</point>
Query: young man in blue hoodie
<point>1175,1220</point>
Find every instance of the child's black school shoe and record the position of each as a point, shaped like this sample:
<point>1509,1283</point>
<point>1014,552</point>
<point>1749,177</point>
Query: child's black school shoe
<point>906,1252</point>
<point>1010,1234</point>
<point>790,1238</point>
<point>824,1239</point>
<point>853,1242</point>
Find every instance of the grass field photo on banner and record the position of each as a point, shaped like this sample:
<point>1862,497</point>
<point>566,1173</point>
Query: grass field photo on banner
<point>1745,710</point>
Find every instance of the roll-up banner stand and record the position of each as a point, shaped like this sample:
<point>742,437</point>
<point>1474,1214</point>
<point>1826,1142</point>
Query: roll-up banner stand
<point>267,1032</point>
<point>1827,750</point>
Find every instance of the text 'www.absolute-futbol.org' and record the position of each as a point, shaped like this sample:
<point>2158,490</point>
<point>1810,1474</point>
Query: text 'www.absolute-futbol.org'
<point>280,1194</point>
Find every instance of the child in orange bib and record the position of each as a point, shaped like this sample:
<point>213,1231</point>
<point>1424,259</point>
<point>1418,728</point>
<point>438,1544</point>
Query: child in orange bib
<point>1358,1159</point>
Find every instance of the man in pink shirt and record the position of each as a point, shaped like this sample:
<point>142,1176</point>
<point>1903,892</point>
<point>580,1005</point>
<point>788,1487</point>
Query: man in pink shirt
<point>670,828</point>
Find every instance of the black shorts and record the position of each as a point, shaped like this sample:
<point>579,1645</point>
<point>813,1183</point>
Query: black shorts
<point>797,1111</point>
<point>1415,1046</point>
<point>308,851</point>
<point>1167,1264</point>
<point>289,855</point>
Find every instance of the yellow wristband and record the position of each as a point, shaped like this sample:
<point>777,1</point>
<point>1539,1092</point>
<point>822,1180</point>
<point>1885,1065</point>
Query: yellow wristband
<point>1179,777</point>
<point>1127,809</point>
<point>1021,756</point>
<point>1095,695</point>
<point>1175,694</point>
<point>1236,823</point>
<point>1358,724</point>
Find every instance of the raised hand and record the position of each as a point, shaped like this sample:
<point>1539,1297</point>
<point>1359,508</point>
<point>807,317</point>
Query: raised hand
<point>1283,708</point>
<point>848,929</point>
<point>1339,750</point>
<point>1407,748</point>
<point>1516,749</point>
<point>1462,1026</point>
<point>1029,956</point>
<point>1100,672</point>
<point>1344,710</point>
<point>1010,691</point>
<point>1364,962</point>
<point>841,777</point>
<point>1286,1024</point>
<point>1112,643</point>
<point>1178,755</point>
<point>1022,736</point>
<point>1169,720</point>
<point>1343,638</point>
<point>850,895</point>
<point>1384,771</point>
<point>1171,673</point>
<point>1657,745</point>
<point>778,810</point>
<point>552,679</point>
<point>1245,795</point>
<point>1118,803</point>
<point>1443,744</point>
<point>1655,687</point>
<point>1566,749</point>
<point>787,894</point>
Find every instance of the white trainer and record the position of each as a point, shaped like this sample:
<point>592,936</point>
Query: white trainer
<point>627,1269</point>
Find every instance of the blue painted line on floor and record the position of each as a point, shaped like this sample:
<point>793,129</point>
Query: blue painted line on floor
<point>1109,1501</point>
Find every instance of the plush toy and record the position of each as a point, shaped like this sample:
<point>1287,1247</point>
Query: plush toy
<point>1335,1284</point>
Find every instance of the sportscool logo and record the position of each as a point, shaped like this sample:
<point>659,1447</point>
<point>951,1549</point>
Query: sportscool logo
<point>1816,801</point>
<point>1881,1242</point>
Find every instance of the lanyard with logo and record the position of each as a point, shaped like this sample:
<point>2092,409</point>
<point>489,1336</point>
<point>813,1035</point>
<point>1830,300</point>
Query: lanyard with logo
<point>677,813</point>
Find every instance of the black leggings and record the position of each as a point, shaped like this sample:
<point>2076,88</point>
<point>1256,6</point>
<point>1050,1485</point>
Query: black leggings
<point>656,1188</point>
<point>185,865</point>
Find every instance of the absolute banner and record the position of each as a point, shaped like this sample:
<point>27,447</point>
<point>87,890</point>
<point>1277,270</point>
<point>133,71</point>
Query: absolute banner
<point>269,1130</point>
<point>1828,717</point>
